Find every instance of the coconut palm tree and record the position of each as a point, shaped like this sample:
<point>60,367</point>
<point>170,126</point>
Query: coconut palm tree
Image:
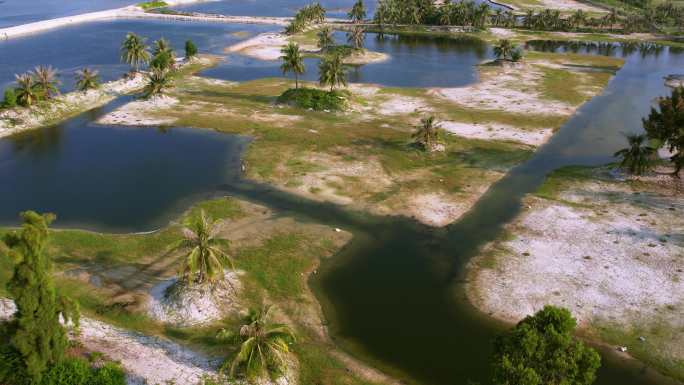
<point>325,38</point>
<point>504,49</point>
<point>264,346</point>
<point>158,79</point>
<point>204,259</point>
<point>637,158</point>
<point>358,12</point>
<point>134,51</point>
<point>356,37</point>
<point>46,82</point>
<point>427,134</point>
<point>87,79</point>
<point>332,72</point>
<point>292,61</point>
<point>26,90</point>
<point>162,45</point>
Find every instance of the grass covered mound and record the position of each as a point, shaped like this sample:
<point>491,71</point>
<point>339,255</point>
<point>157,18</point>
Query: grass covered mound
<point>315,99</point>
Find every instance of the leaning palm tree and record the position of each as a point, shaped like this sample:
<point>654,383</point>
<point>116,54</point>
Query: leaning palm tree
<point>46,81</point>
<point>332,72</point>
<point>292,61</point>
<point>355,37</point>
<point>637,158</point>
<point>134,51</point>
<point>87,79</point>
<point>325,38</point>
<point>26,90</point>
<point>427,134</point>
<point>264,346</point>
<point>504,49</point>
<point>358,12</point>
<point>157,80</point>
<point>204,259</point>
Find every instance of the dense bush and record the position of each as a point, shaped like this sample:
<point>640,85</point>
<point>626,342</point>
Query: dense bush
<point>317,100</point>
<point>77,371</point>
<point>342,50</point>
<point>10,98</point>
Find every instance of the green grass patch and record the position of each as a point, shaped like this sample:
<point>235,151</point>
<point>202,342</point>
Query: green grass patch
<point>315,99</point>
<point>152,4</point>
<point>560,179</point>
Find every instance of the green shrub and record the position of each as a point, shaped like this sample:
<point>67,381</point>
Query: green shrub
<point>342,50</point>
<point>10,98</point>
<point>78,371</point>
<point>12,370</point>
<point>317,100</point>
<point>190,49</point>
<point>152,4</point>
<point>109,374</point>
<point>70,371</point>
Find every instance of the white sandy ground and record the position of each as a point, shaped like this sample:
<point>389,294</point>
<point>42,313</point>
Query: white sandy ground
<point>398,104</point>
<point>268,46</point>
<point>141,112</point>
<point>674,81</point>
<point>613,256</point>
<point>196,304</point>
<point>493,131</point>
<point>511,89</point>
<point>147,360</point>
<point>561,5</point>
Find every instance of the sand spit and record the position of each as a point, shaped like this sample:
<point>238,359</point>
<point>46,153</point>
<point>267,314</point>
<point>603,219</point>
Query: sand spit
<point>21,119</point>
<point>493,131</point>
<point>509,88</point>
<point>147,360</point>
<point>609,251</point>
<point>141,113</point>
<point>268,46</point>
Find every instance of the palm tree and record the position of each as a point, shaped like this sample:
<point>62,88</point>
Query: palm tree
<point>427,134</point>
<point>638,156</point>
<point>134,51</point>
<point>157,80</point>
<point>204,259</point>
<point>355,37</point>
<point>292,61</point>
<point>162,45</point>
<point>46,81</point>
<point>325,38</point>
<point>264,346</point>
<point>87,79</point>
<point>504,49</point>
<point>358,12</point>
<point>332,72</point>
<point>25,91</point>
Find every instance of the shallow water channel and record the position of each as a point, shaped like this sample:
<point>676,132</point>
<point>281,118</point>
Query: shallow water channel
<point>394,294</point>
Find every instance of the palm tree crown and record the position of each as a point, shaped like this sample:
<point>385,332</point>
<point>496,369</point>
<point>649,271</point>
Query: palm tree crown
<point>358,12</point>
<point>26,94</point>
<point>636,159</point>
<point>204,259</point>
<point>134,51</point>
<point>292,61</point>
<point>325,38</point>
<point>356,37</point>
<point>87,79</point>
<point>264,346</point>
<point>332,72</point>
<point>46,81</point>
<point>427,134</point>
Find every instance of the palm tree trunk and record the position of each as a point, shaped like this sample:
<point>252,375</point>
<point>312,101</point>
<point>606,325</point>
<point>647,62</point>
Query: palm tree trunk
<point>296,81</point>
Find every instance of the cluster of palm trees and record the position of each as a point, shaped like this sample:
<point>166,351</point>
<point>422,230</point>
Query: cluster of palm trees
<point>162,60</point>
<point>310,14</point>
<point>332,71</point>
<point>413,12</point>
<point>42,84</point>
<point>263,345</point>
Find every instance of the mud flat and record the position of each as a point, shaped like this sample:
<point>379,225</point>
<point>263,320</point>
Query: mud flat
<point>607,247</point>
